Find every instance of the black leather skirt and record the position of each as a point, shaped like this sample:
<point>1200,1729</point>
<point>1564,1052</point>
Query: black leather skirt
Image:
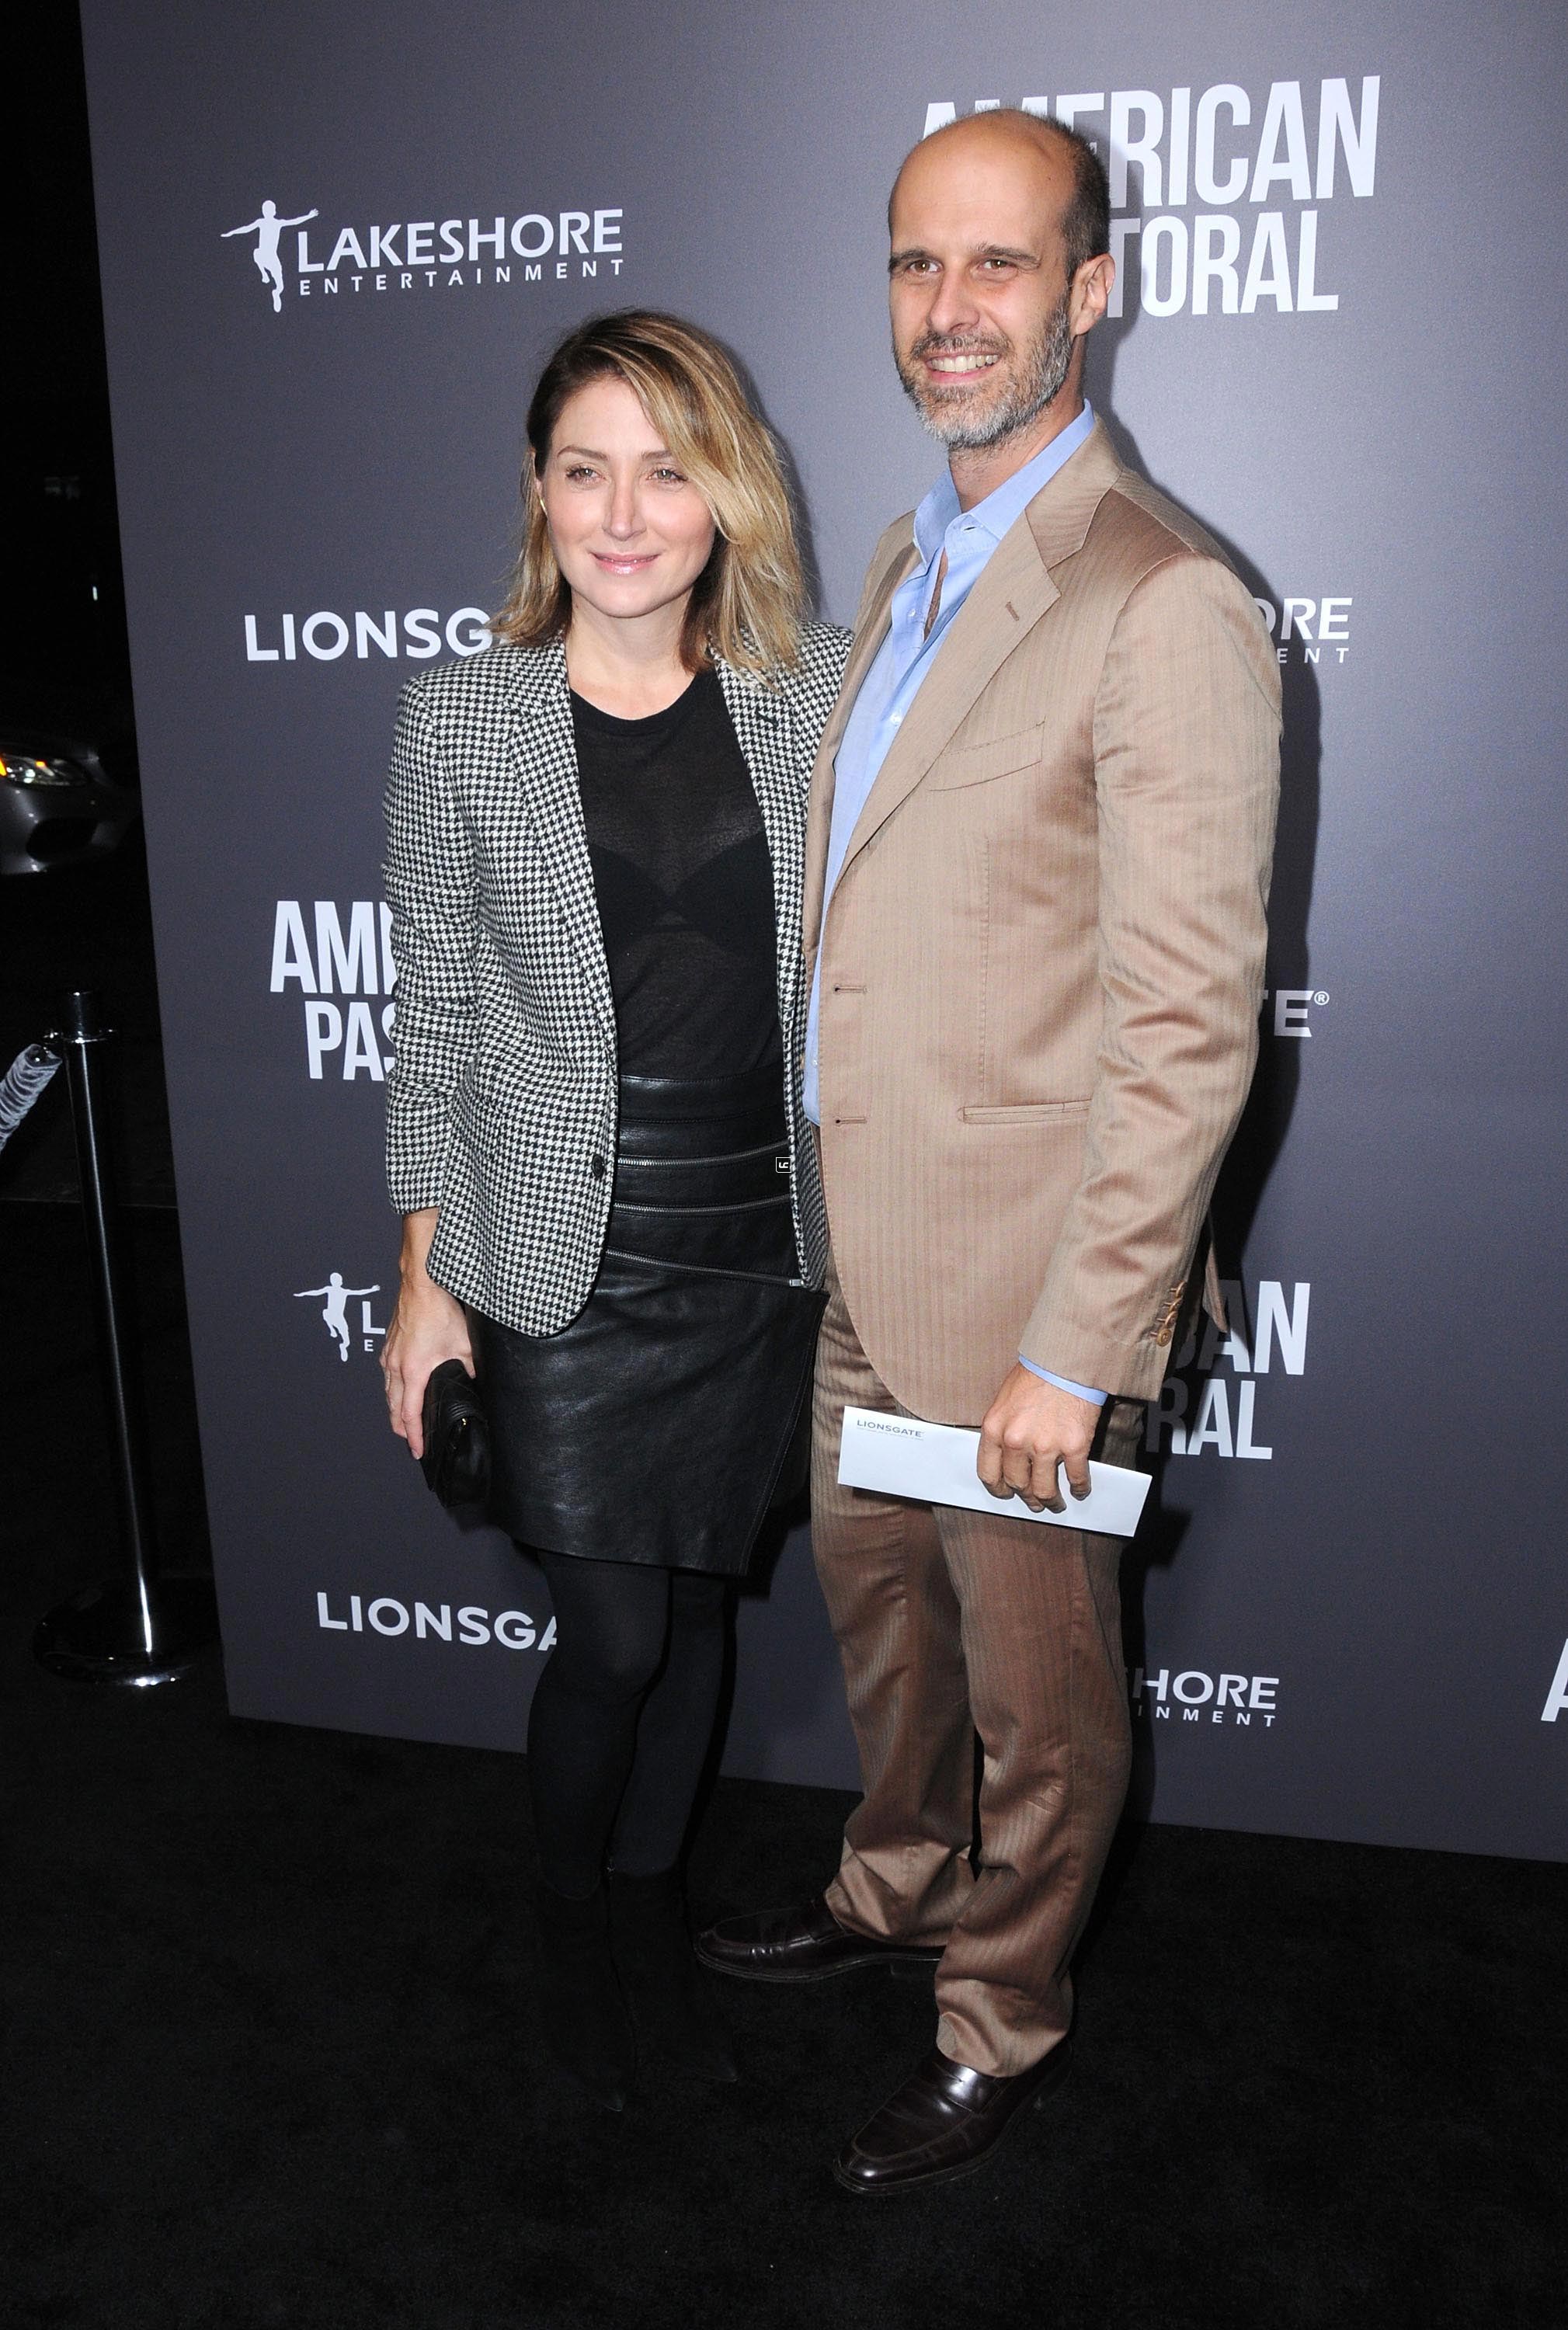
<point>661,1423</point>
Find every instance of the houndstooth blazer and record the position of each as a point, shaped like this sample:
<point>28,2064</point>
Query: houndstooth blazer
<point>501,1108</point>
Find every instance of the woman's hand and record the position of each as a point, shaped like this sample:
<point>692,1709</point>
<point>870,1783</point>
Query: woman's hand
<point>429,1327</point>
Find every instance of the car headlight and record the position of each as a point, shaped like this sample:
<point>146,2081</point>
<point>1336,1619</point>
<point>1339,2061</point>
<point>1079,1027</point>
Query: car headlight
<point>28,769</point>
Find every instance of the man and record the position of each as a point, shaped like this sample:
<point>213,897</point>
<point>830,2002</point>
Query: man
<point>1037,868</point>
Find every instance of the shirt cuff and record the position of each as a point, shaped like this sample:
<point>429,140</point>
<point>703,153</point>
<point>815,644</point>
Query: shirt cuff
<point>1079,1391</point>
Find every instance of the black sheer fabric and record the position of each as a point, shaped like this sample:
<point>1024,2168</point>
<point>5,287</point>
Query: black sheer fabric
<point>685,885</point>
<point>622,1717</point>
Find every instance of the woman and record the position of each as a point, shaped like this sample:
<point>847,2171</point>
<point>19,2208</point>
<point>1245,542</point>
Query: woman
<point>610,1198</point>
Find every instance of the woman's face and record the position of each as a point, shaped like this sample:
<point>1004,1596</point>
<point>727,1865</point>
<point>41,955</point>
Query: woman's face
<point>630,531</point>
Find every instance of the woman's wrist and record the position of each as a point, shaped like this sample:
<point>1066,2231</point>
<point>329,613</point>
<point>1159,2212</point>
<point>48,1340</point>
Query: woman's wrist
<point>418,1234</point>
<point>420,1293</point>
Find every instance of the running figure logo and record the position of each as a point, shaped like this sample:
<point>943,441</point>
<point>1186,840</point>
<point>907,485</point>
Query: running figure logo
<point>334,1312</point>
<point>267,230</point>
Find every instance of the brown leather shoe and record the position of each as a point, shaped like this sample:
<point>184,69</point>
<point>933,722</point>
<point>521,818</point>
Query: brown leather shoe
<point>801,1945</point>
<point>945,2121</point>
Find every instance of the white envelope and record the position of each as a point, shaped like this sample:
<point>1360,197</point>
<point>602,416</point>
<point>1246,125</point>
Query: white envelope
<point>904,1457</point>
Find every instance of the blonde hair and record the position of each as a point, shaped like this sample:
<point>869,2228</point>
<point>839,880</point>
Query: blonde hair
<point>748,602</point>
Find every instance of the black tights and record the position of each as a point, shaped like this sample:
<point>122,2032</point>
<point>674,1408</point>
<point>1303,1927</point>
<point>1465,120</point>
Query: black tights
<point>622,1717</point>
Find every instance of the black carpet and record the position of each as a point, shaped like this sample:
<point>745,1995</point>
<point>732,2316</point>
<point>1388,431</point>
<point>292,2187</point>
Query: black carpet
<point>270,2053</point>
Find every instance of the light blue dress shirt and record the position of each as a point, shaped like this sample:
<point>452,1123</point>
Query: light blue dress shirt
<point>906,655</point>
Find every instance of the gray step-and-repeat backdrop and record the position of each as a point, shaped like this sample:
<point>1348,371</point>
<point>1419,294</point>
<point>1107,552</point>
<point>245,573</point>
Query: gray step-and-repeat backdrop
<point>337,242</point>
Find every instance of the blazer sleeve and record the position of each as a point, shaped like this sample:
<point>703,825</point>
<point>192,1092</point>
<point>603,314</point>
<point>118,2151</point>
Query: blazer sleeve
<point>431,888</point>
<point>1186,762</point>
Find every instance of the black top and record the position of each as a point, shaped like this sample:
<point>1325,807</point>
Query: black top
<point>684,885</point>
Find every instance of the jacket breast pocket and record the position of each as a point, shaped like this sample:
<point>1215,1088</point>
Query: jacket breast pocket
<point>1029,1112</point>
<point>980,763</point>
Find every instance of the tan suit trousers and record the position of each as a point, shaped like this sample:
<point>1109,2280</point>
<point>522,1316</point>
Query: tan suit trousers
<point>949,1624</point>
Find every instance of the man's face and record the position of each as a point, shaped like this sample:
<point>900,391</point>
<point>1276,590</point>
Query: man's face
<point>981,330</point>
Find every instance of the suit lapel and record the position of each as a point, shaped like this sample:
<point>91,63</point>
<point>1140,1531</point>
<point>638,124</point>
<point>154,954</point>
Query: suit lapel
<point>543,752</point>
<point>871,628</point>
<point>1008,597</point>
<point>1016,588</point>
<point>764,731</point>
<point>1060,515</point>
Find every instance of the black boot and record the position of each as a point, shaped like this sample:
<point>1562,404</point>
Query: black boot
<point>584,2017</point>
<point>667,1991</point>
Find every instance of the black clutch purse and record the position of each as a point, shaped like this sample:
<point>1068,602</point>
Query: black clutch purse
<point>457,1458</point>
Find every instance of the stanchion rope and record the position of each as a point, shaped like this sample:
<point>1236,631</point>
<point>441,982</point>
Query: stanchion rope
<point>21,1084</point>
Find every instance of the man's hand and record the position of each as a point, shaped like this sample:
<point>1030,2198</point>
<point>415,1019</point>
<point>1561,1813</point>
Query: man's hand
<point>1031,1428</point>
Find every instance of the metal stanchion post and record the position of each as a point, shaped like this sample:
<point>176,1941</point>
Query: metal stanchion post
<point>138,1628</point>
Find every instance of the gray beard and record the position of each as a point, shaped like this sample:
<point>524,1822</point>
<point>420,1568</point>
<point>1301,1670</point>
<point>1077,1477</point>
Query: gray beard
<point>1042,377</point>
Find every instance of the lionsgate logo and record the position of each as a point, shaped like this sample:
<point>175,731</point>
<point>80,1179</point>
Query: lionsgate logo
<point>472,1627</point>
<point>414,635</point>
<point>298,257</point>
<point>1193,1696</point>
<point>340,964</point>
<point>1209,1403</point>
<point>1230,183</point>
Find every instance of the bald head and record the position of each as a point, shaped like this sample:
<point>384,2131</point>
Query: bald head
<point>999,128</point>
<point>1058,163</point>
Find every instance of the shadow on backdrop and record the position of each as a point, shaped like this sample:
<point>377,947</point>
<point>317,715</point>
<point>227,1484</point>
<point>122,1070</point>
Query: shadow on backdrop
<point>1271,1104</point>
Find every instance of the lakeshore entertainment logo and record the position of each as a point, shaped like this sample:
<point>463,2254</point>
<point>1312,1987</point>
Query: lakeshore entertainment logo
<point>1303,629</point>
<point>471,1626</point>
<point>1198,153</point>
<point>325,959</point>
<point>1202,1409</point>
<point>298,258</point>
<point>1193,1696</point>
<point>335,1315</point>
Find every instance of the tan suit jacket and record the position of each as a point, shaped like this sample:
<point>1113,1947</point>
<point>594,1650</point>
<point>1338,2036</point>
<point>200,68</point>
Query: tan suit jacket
<point>1042,962</point>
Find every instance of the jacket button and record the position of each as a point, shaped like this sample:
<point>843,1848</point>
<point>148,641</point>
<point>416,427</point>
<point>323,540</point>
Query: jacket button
<point>596,1167</point>
<point>1162,1336</point>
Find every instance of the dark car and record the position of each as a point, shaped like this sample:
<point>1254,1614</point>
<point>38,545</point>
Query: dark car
<point>58,805</point>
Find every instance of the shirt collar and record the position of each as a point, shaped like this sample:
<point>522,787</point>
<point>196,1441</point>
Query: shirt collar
<point>1000,510</point>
